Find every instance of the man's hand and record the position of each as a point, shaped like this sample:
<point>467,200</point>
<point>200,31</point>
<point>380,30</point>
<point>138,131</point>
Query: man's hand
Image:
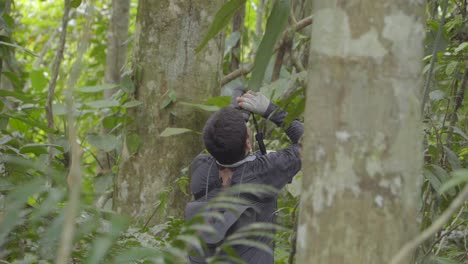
<point>254,102</point>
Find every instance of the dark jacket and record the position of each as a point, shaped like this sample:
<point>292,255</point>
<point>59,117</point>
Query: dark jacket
<point>275,169</point>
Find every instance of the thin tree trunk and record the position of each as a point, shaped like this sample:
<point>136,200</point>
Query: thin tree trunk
<point>362,150</point>
<point>165,65</point>
<point>117,42</point>
<point>115,62</point>
<point>237,26</point>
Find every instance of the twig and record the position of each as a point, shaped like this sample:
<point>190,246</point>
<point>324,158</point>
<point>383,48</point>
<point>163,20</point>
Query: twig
<point>53,80</point>
<point>74,176</point>
<point>433,59</point>
<point>432,229</point>
<point>235,74</point>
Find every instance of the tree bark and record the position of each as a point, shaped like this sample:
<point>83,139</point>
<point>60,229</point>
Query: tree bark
<point>362,150</point>
<point>115,60</point>
<point>165,62</point>
<point>117,42</point>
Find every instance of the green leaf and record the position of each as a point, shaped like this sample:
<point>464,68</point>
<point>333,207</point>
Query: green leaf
<point>103,104</point>
<point>452,158</point>
<point>451,67</point>
<point>103,142</point>
<point>219,101</point>
<point>460,132</point>
<point>75,3</point>
<point>38,80</point>
<point>133,143</point>
<point>109,122</point>
<point>209,108</point>
<point>20,96</point>
<point>97,88</point>
<point>222,18</point>
<point>127,84</point>
<point>172,131</point>
<point>458,177</point>
<point>132,103</point>
<point>19,47</point>
<point>435,182</point>
<point>275,25</point>
<point>169,97</point>
<point>38,149</point>
<point>461,47</point>
<point>102,244</point>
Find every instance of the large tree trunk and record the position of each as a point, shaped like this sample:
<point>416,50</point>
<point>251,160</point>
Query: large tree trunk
<point>362,149</point>
<point>165,62</point>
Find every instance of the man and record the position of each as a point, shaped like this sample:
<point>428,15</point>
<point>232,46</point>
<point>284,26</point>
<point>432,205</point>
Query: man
<point>228,140</point>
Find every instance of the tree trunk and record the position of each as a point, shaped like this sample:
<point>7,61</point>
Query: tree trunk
<point>117,42</point>
<point>115,60</point>
<point>165,64</point>
<point>362,150</point>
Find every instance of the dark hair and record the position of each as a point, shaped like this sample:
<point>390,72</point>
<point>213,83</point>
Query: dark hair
<point>225,135</point>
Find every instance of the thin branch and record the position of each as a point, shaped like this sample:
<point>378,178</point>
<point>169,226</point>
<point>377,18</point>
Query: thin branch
<point>433,59</point>
<point>303,23</point>
<point>74,176</point>
<point>53,80</point>
<point>235,74</point>
<point>432,229</point>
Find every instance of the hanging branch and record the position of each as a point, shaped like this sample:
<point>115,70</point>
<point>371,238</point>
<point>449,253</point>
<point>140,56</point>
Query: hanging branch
<point>433,59</point>
<point>74,176</point>
<point>53,80</point>
<point>432,229</point>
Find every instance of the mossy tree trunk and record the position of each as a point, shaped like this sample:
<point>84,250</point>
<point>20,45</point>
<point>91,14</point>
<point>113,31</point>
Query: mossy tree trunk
<point>167,69</point>
<point>362,149</point>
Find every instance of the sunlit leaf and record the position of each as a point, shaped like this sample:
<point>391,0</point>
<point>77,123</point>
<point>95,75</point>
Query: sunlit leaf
<point>172,131</point>
<point>209,108</point>
<point>38,80</point>
<point>461,47</point>
<point>222,18</point>
<point>275,25</point>
<point>219,101</point>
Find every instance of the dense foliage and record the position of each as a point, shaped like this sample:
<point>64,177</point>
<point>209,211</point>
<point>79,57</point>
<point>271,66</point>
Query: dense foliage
<point>34,169</point>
